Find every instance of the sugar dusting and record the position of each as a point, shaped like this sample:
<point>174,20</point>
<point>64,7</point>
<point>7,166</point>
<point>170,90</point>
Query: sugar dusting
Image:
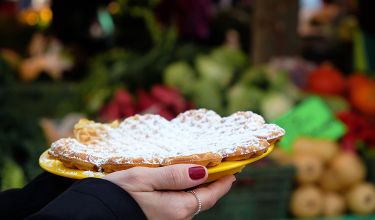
<point>153,138</point>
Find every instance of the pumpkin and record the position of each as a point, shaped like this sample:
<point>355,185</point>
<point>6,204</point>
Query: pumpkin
<point>361,199</point>
<point>326,80</point>
<point>333,204</point>
<point>306,201</point>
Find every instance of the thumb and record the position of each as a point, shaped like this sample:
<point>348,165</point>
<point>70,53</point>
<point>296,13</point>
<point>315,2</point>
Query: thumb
<point>173,177</point>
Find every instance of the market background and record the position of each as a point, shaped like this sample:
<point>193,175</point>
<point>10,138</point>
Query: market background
<point>305,65</point>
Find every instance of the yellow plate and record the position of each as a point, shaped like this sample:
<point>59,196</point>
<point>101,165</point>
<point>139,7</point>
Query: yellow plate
<point>225,168</point>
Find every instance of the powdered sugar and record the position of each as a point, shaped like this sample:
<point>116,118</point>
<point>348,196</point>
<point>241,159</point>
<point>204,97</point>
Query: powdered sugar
<point>153,138</point>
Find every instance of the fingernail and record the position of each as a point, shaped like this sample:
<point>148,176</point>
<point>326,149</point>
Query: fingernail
<point>197,172</point>
<point>234,179</point>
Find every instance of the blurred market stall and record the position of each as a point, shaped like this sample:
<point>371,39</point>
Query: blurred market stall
<point>305,65</point>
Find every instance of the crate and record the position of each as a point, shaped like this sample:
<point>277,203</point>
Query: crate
<point>370,164</point>
<point>261,191</point>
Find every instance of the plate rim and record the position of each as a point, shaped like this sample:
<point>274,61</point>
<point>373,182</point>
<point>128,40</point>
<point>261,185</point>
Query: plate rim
<point>60,170</point>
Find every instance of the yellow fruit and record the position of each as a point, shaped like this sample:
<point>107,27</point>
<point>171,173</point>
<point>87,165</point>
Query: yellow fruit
<point>309,168</point>
<point>333,204</point>
<point>361,199</point>
<point>330,182</point>
<point>307,201</point>
<point>349,169</point>
<point>324,149</point>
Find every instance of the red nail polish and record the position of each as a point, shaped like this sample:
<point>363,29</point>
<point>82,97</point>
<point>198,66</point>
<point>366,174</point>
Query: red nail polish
<point>197,172</point>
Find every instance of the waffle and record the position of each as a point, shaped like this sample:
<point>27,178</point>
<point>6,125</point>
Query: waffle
<point>196,136</point>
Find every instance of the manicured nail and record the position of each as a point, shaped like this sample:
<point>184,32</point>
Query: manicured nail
<point>197,172</point>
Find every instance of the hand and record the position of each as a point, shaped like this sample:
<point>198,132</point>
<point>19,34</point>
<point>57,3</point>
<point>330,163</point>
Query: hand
<point>158,190</point>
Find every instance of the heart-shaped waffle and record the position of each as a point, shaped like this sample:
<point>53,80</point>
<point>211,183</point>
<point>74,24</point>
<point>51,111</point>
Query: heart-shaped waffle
<point>195,136</point>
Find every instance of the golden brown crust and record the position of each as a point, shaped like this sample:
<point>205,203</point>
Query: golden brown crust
<point>207,159</point>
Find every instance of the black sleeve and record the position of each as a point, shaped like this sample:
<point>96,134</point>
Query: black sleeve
<point>92,198</point>
<point>19,203</point>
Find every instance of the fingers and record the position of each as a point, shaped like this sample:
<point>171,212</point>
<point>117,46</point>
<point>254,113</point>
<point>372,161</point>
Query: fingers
<point>174,177</point>
<point>177,177</point>
<point>210,194</point>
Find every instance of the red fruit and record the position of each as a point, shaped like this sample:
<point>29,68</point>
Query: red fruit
<point>145,100</point>
<point>348,142</point>
<point>166,114</point>
<point>170,97</point>
<point>363,98</point>
<point>357,80</point>
<point>125,102</point>
<point>326,80</point>
<point>122,96</point>
<point>110,112</point>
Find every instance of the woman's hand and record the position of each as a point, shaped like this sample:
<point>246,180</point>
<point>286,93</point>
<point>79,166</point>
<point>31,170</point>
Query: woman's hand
<point>158,190</point>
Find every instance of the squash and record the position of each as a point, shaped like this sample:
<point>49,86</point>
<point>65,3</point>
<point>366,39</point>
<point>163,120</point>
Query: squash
<point>309,168</point>
<point>333,204</point>
<point>306,201</point>
<point>361,199</point>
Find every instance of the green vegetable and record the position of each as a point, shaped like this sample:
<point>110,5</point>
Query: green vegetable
<point>255,76</point>
<point>181,76</point>
<point>208,95</point>
<point>275,105</point>
<point>244,98</point>
<point>230,57</point>
<point>211,70</point>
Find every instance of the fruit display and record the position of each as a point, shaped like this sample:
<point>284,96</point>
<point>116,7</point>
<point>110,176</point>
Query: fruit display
<point>329,181</point>
<point>337,168</point>
<point>223,80</point>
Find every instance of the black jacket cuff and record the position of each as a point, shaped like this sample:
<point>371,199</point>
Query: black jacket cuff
<point>114,197</point>
<point>92,198</point>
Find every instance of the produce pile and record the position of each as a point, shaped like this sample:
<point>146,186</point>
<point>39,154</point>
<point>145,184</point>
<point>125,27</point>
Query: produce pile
<point>225,81</point>
<point>161,100</point>
<point>331,177</point>
<point>329,181</point>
